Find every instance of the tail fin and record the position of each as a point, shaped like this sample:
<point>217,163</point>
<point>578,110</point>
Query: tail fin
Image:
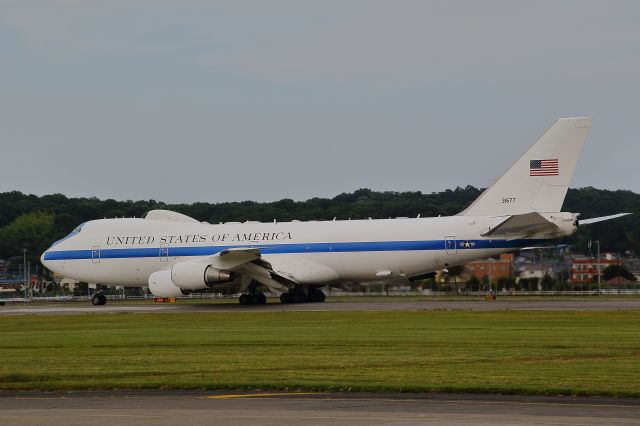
<point>539,180</point>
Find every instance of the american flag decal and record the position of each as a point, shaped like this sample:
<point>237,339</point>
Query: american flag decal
<point>544,167</point>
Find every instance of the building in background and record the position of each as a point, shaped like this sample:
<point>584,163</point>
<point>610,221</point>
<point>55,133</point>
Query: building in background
<point>534,271</point>
<point>633,264</point>
<point>67,284</point>
<point>492,268</point>
<point>585,269</point>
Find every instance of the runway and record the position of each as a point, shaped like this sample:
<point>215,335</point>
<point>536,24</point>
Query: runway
<point>282,409</point>
<point>382,305</point>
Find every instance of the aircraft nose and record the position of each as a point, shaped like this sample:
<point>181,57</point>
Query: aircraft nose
<point>43,260</point>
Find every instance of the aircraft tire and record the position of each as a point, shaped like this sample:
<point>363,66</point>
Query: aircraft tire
<point>244,299</point>
<point>318,296</point>
<point>257,299</point>
<point>299,298</point>
<point>98,299</point>
<point>285,298</point>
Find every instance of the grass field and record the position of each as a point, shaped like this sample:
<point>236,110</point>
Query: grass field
<point>591,353</point>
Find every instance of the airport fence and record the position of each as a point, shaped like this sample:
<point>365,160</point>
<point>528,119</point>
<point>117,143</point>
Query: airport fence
<point>112,297</point>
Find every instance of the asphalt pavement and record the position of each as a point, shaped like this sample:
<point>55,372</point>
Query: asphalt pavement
<point>159,408</point>
<point>594,304</point>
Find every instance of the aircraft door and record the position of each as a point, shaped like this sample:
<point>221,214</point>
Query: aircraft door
<point>450,244</point>
<point>95,254</point>
<point>164,253</point>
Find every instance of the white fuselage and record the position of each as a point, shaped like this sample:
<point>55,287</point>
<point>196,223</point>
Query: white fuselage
<point>127,251</point>
<point>167,250</point>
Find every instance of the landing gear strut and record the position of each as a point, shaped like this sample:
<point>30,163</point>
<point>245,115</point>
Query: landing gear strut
<point>98,299</point>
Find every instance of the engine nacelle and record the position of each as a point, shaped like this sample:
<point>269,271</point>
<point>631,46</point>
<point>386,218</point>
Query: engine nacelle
<point>196,276</point>
<point>160,285</point>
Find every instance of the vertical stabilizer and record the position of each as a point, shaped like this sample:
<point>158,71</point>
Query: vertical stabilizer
<point>539,180</point>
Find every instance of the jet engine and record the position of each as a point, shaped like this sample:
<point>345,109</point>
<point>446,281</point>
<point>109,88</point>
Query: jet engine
<point>184,277</point>
<point>160,285</point>
<point>196,276</point>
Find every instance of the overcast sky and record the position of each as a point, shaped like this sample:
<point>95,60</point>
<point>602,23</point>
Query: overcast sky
<point>220,101</point>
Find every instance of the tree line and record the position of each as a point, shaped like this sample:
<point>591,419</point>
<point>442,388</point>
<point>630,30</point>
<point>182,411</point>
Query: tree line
<point>34,222</point>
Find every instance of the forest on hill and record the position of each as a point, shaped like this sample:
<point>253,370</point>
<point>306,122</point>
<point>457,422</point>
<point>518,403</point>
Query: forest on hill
<point>34,222</point>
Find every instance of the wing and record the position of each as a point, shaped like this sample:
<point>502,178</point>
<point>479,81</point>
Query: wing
<point>232,258</point>
<point>279,273</point>
<point>249,263</point>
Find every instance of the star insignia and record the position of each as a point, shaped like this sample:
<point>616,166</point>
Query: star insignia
<point>467,244</point>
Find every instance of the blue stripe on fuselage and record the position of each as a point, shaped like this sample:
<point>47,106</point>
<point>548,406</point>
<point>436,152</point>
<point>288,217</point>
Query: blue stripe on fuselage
<point>343,247</point>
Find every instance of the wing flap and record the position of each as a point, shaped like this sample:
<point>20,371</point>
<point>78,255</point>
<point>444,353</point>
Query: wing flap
<point>266,276</point>
<point>252,265</point>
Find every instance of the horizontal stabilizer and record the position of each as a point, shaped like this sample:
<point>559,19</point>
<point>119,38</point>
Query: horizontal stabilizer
<point>522,224</point>
<point>601,219</point>
<point>555,246</point>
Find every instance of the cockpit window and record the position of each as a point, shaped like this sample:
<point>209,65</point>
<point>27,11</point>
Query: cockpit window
<point>71,234</point>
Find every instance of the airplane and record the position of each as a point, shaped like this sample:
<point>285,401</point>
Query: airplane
<point>173,254</point>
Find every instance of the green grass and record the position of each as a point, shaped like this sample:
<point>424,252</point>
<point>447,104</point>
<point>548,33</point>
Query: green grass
<point>588,353</point>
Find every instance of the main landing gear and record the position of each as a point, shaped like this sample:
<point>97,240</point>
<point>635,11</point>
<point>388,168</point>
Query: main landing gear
<point>98,299</point>
<point>313,295</point>
<point>253,299</point>
<point>254,295</point>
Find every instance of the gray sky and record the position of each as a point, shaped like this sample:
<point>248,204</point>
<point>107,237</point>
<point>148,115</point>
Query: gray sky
<point>234,100</point>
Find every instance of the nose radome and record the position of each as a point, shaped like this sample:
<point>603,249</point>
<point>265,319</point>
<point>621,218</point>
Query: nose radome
<point>43,261</point>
